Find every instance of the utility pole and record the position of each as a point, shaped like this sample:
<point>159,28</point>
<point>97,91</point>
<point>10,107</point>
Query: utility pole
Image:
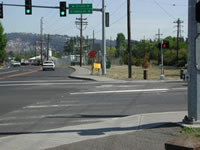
<point>178,22</point>
<point>93,40</point>
<point>35,50</point>
<point>93,47</point>
<point>162,76</point>
<point>48,46</point>
<point>110,48</point>
<point>80,23</point>
<point>193,75</point>
<point>41,40</point>
<point>129,38</point>
<point>81,37</point>
<point>103,39</point>
<point>159,43</point>
<point>110,44</point>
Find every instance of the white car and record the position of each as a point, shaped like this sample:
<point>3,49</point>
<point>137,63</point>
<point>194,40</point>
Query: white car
<point>16,64</point>
<point>48,65</point>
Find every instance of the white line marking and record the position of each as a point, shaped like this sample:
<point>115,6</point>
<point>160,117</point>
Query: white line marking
<point>45,84</point>
<point>179,88</point>
<point>40,81</point>
<point>12,124</point>
<point>45,106</point>
<point>120,91</point>
<point>117,86</point>
<point>9,72</point>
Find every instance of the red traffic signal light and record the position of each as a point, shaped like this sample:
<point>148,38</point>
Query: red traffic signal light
<point>63,9</point>
<point>165,45</point>
<point>28,7</point>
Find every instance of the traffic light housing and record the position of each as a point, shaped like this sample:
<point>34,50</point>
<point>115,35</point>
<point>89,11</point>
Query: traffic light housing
<point>107,19</point>
<point>165,45</point>
<point>198,12</point>
<point>1,10</point>
<point>63,9</point>
<point>28,7</point>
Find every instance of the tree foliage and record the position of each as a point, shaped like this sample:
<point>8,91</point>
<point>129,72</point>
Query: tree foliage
<point>3,42</point>
<point>69,46</point>
<point>120,45</point>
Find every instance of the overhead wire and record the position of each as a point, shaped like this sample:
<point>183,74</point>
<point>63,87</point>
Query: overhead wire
<point>112,13</point>
<point>166,12</point>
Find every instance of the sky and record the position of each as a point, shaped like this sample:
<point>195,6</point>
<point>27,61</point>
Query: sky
<point>147,16</point>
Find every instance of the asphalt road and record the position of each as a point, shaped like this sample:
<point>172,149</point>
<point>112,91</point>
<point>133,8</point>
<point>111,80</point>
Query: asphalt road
<point>33,100</point>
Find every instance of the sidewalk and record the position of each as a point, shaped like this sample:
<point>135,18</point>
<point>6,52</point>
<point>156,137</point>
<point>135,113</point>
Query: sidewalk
<point>85,74</point>
<point>111,134</point>
<point>82,73</point>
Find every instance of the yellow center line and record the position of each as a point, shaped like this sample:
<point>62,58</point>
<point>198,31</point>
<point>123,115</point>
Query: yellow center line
<point>19,74</point>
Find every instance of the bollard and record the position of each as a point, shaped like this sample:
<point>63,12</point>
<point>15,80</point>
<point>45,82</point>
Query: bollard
<point>145,75</point>
<point>181,74</point>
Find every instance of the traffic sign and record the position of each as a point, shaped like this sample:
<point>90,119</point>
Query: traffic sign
<point>92,54</point>
<point>80,8</point>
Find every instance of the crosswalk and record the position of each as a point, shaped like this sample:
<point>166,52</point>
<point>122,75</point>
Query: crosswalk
<point>80,102</point>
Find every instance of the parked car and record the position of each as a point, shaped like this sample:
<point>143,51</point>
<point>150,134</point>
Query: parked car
<point>48,65</point>
<point>25,62</point>
<point>16,64</point>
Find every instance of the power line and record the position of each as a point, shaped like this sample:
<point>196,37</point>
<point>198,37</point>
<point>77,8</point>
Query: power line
<point>171,16</point>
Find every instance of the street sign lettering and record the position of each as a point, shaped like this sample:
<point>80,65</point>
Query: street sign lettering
<point>80,8</point>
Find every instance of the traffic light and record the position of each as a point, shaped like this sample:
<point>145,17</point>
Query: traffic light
<point>1,10</point>
<point>63,9</point>
<point>107,19</point>
<point>165,45</point>
<point>28,7</point>
<point>198,12</point>
<point>159,45</point>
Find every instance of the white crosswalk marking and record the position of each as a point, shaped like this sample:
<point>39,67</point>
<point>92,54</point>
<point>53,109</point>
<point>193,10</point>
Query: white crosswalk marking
<point>121,91</point>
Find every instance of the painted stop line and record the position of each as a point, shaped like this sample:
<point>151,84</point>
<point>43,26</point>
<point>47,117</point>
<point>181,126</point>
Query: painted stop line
<point>121,91</point>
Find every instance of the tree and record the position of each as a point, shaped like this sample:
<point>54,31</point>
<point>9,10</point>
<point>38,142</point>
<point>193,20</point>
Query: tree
<point>120,45</point>
<point>3,42</point>
<point>69,46</point>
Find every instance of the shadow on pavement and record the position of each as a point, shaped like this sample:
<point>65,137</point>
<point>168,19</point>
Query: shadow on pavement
<point>100,131</point>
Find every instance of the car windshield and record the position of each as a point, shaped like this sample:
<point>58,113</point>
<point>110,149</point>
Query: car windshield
<point>48,62</point>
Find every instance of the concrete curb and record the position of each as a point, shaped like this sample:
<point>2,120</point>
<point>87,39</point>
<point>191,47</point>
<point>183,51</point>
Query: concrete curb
<point>77,74</point>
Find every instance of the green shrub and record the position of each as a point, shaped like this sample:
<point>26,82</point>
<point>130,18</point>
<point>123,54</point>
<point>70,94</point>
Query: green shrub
<point>169,57</point>
<point>183,55</point>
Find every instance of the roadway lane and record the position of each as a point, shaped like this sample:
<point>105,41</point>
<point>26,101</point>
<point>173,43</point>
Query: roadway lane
<point>14,96</point>
<point>13,72</point>
<point>46,100</point>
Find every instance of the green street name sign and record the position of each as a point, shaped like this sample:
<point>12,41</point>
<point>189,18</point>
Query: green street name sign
<point>80,8</point>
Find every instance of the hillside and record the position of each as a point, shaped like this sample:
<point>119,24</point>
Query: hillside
<point>20,42</point>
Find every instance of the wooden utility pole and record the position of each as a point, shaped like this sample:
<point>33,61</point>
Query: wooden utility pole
<point>159,47</point>
<point>129,38</point>
<point>41,40</point>
<point>178,22</point>
<point>81,37</point>
<point>48,46</point>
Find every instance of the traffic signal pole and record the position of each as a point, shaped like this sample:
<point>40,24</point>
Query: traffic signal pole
<point>193,66</point>
<point>102,10</point>
<point>162,76</point>
<point>103,39</point>
<point>129,38</point>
